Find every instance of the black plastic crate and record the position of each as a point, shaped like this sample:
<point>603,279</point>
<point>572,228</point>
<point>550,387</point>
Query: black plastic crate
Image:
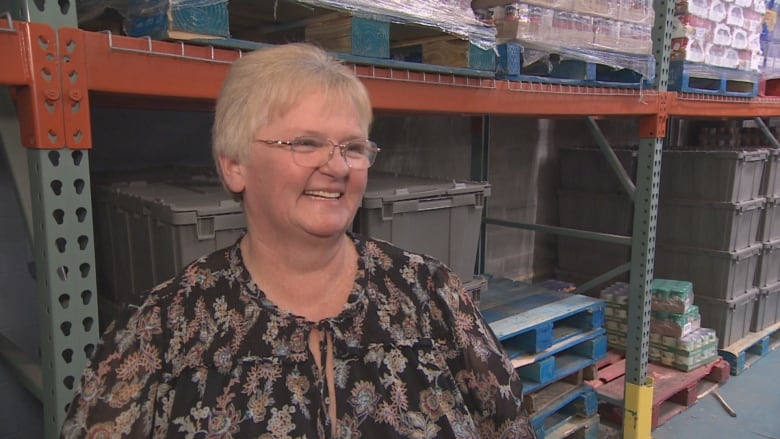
<point>723,175</point>
<point>714,225</point>
<point>717,274</point>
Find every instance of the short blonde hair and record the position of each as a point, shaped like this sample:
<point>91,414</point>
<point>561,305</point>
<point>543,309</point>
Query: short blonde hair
<point>266,83</point>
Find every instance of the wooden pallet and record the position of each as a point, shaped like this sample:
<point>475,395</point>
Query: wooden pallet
<point>610,367</point>
<point>742,354</point>
<point>557,405</point>
<point>673,390</point>
<point>577,428</point>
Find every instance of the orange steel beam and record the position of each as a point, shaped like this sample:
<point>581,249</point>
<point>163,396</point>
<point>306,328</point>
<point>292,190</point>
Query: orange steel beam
<point>30,67</point>
<point>16,70</point>
<point>426,92</point>
<point>140,66</point>
<point>137,66</point>
<point>705,106</point>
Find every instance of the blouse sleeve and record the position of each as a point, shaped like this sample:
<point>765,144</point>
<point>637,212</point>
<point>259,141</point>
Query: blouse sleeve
<point>490,385</point>
<point>118,388</point>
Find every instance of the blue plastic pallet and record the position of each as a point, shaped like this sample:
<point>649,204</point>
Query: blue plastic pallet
<point>509,66</point>
<point>704,79</point>
<point>531,319</point>
<point>562,403</point>
<point>558,362</point>
<point>742,354</point>
<point>233,44</point>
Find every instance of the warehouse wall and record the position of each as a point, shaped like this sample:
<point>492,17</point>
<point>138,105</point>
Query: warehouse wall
<point>524,175</point>
<point>523,172</point>
<point>20,412</point>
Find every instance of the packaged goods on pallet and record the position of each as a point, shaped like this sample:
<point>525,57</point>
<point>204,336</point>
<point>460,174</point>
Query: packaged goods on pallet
<point>770,40</point>
<point>606,33</point>
<point>716,33</point>
<point>675,325</point>
<point>672,295</point>
<point>189,19</point>
<point>716,47</point>
<point>662,323</point>
<point>696,349</point>
<point>676,338</point>
<point>452,16</point>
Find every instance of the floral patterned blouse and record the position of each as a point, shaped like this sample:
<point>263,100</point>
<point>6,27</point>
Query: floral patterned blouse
<point>206,355</point>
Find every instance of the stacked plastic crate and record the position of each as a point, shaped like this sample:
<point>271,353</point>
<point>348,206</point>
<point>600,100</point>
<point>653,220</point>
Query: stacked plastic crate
<point>150,223</point>
<point>767,307</point>
<point>436,217</point>
<point>709,214</point>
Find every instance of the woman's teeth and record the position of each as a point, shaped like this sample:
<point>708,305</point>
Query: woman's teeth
<point>323,194</point>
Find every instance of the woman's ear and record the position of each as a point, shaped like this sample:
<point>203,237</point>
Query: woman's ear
<point>232,174</point>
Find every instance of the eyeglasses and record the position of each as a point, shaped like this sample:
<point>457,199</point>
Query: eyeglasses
<point>313,151</point>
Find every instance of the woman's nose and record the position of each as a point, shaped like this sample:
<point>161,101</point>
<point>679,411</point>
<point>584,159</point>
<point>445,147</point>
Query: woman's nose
<point>337,161</point>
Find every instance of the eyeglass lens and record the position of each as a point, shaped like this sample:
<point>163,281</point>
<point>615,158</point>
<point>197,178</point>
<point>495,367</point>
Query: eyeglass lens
<point>315,152</point>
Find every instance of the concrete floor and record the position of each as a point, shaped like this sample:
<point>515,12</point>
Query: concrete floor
<point>754,395</point>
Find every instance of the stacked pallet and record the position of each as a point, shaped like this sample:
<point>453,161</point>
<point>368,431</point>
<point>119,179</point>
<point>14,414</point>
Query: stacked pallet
<point>554,339</point>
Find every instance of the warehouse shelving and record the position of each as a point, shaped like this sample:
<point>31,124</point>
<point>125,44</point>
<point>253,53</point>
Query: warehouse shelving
<point>54,74</point>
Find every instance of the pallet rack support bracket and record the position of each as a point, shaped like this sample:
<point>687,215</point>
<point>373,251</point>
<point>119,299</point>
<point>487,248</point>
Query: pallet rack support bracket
<point>75,96</point>
<point>38,103</point>
<point>655,126</point>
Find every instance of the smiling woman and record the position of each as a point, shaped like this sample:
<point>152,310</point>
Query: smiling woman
<point>301,328</point>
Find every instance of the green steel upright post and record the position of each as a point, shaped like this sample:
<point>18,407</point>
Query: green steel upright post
<point>480,148</point>
<point>638,392</point>
<point>65,267</point>
<point>62,236</point>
